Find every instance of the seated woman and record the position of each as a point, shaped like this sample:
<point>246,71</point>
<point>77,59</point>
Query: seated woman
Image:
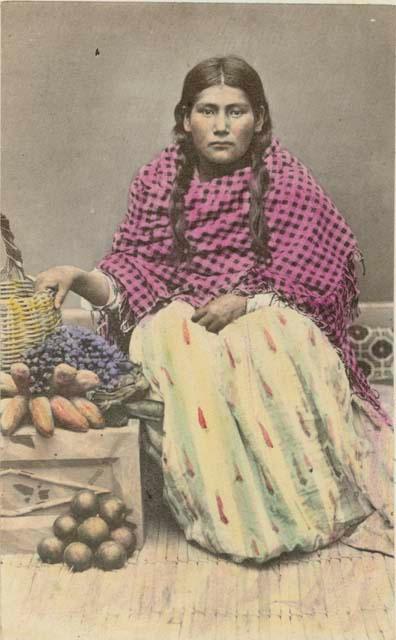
<point>235,272</point>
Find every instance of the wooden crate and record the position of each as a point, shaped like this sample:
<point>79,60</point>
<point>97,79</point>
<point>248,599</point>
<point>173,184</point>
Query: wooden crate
<point>40,476</point>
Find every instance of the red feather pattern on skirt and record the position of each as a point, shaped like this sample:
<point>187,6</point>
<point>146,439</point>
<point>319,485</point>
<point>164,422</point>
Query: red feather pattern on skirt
<point>270,340</point>
<point>190,468</point>
<point>238,475</point>
<point>201,419</point>
<point>220,508</point>
<point>255,548</point>
<point>229,353</point>
<point>311,335</point>
<point>303,425</point>
<point>282,318</point>
<point>186,333</point>
<point>268,483</point>
<point>266,387</point>
<point>266,435</point>
<point>168,375</point>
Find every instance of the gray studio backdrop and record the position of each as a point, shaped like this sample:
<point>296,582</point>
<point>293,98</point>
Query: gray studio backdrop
<point>88,97</point>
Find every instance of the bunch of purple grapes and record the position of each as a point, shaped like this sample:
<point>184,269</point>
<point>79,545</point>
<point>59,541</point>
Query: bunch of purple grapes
<point>80,348</point>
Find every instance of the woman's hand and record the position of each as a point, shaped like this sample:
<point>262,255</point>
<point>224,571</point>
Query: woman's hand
<point>91,285</point>
<point>59,278</point>
<point>219,312</point>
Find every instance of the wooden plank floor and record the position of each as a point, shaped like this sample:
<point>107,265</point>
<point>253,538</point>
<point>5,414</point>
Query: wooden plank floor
<point>175,591</point>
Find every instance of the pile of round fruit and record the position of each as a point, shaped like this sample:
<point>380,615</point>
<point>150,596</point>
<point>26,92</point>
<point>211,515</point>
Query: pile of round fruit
<point>94,533</point>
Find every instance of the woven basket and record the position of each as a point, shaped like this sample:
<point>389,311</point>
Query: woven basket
<point>26,317</point>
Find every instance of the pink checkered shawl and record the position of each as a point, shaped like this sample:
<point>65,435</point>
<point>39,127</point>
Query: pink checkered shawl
<point>313,250</point>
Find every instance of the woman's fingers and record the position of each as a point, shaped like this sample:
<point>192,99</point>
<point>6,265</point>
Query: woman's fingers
<point>211,322</point>
<point>60,296</point>
<point>199,314</point>
<point>45,280</point>
<point>203,318</point>
<point>43,286</point>
<point>39,284</point>
<point>58,280</point>
<point>60,291</point>
<point>204,321</point>
<point>208,319</point>
<point>215,326</point>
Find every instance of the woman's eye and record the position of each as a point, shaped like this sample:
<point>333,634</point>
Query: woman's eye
<point>206,111</point>
<point>236,113</point>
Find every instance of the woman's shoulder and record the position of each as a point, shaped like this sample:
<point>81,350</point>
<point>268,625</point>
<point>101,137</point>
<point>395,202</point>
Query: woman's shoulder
<point>277,157</point>
<point>295,191</point>
<point>289,171</point>
<point>161,170</point>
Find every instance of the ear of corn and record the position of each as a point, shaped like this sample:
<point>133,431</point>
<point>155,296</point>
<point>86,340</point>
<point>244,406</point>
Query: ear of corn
<point>63,374</point>
<point>7,385</point>
<point>65,390</point>
<point>13,414</point>
<point>86,380</point>
<point>20,374</point>
<point>3,403</point>
<point>91,412</point>
<point>67,414</point>
<point>41,413</point>
<point>62,379</point>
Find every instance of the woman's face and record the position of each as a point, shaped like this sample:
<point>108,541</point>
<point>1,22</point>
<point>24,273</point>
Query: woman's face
<point>222,125</point>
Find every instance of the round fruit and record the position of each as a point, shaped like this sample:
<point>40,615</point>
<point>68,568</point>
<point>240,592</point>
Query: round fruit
<point>110,555</point>
<point>93,531</point>
<point>126,537</point>
<point>65,527</point>
<point>84,504</point>
<point>112,509</point>
<point>78,556</point>
<point>50,549</point>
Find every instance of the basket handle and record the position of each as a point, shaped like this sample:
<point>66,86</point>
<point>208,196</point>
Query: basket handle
<point>13,262</point>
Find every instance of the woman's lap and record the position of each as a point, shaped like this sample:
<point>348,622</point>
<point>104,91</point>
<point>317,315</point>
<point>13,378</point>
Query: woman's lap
<point>260,453</point>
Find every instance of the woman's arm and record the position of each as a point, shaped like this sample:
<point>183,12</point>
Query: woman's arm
<point>92,285</point>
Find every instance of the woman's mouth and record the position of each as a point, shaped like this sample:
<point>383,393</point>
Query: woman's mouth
<point>221,144</point>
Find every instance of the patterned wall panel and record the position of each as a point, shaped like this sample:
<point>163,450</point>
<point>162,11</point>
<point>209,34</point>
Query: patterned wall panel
<point>374,349</point>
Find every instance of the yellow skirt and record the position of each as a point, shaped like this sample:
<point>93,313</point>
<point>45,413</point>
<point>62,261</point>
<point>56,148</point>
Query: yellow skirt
<point>263,450</point>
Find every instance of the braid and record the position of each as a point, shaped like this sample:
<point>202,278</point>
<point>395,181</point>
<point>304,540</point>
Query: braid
<point>258,187</point>
<point>184,173</point>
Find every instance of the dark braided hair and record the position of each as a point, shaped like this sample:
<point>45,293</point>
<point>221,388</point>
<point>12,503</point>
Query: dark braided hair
<point>234,72</point>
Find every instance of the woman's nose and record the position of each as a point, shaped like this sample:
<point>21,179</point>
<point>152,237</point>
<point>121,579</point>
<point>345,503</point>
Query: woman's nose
<point>221,124</point>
